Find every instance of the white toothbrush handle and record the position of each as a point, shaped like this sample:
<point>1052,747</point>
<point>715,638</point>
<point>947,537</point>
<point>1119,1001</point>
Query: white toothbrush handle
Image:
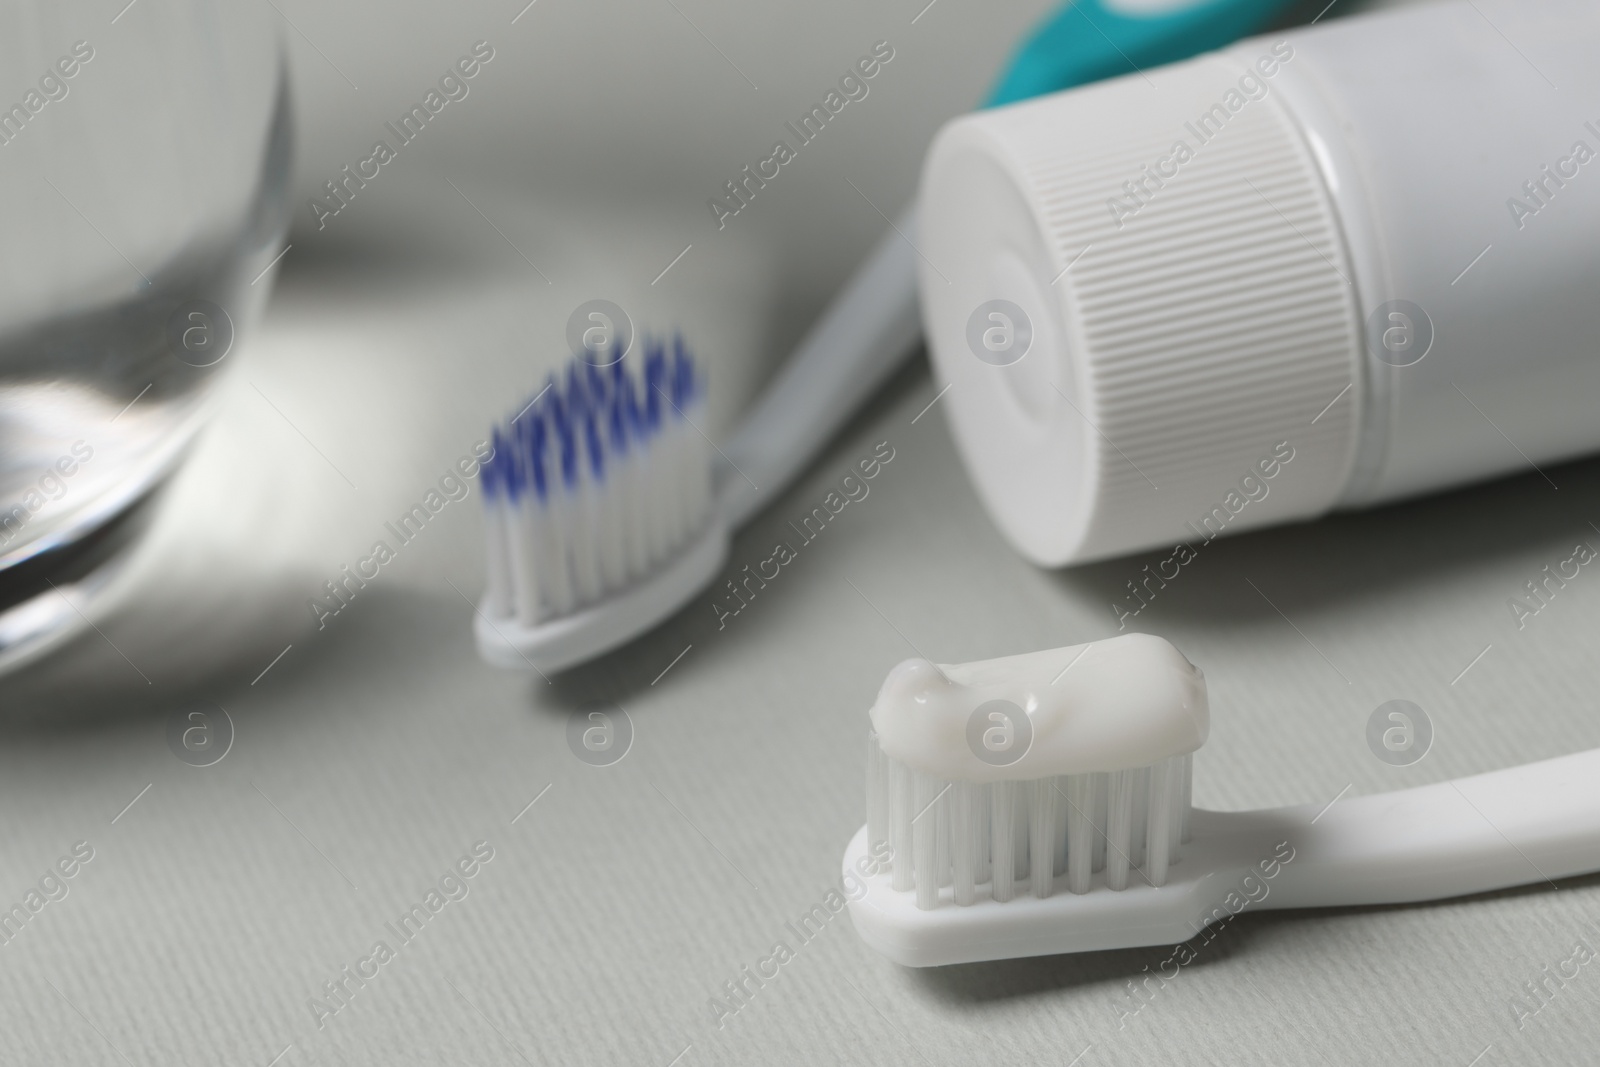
<point>1519,826</point>
<point>865,334</point>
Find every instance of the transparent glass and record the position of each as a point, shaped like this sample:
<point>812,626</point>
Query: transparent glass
<point>144,161</point>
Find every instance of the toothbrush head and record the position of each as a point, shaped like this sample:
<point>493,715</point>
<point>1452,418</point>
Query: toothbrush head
<point>598,509</point>
<point>1033,805</point>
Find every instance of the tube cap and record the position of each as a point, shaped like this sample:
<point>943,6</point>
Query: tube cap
<point>1140,296</point>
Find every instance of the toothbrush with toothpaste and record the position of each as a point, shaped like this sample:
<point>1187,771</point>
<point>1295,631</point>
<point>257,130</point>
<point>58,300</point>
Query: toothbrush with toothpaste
<point>1041,804</point>
<point>608,509</point>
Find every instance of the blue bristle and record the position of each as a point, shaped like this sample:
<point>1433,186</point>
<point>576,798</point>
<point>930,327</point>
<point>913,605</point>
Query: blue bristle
<point>541,457</point>
<point>683,391</point>
<point>524,429</point>
<point>628,402</point>
<point>617,423</point>
<point>655,366</point>
<point>597,384</point>
<point>604,410</point>
<point>591,436</point>
<point>567,444</point>
<point>510,470</point>
<point>555,408</point>
<point>515,470</point>
<point>488,478</point>
<point>577,392</point>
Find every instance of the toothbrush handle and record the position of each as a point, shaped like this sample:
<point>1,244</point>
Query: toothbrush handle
<point>1519,826</point>
<point>866,333</point>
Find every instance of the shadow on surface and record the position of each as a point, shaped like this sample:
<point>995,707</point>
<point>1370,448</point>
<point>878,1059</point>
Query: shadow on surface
<point>1320,565</point>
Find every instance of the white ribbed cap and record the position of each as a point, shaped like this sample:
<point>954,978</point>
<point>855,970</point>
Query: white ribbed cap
<point>1182,344</point>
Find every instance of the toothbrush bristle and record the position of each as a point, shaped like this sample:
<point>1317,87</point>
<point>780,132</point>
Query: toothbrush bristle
<point>956,842</point>
<point>596,482</point>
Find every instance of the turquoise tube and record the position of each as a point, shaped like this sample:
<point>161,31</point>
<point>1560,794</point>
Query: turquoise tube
<point>1086,41</point>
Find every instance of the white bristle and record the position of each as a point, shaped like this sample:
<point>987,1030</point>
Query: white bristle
<point>1081,833</point>
<point>524,562</point>
<point>1158,813</point>
<point>1141,806</point>
<point>635,511</point>
<point>1059,843</point>
<point>544,537</point>
<point>924,840</point>
<point>1102,807</point>
<point>584,528</point>
<point>1119,829</point>
<point>1002,805</point>
<point>1022,802</point>
<point>941,810</point>
<point>983,829</point>
<point>901,809</point>
<point>877,793</point>
<point>594,485</point>
<point>964,841</point>
<point>499,560</point>
<point>1188,797</point>
<point>1042,836</point>
<point>984,839</point>
<point>1177,807</point>
<point>609,531</point>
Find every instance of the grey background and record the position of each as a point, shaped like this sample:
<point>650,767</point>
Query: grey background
<point>371,754</point>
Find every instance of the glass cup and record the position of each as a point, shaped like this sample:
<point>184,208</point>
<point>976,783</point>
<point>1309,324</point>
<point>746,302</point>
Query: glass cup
<point>144,162</point>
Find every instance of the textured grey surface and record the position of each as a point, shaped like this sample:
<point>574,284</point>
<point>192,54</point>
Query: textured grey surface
<point>376,751</point>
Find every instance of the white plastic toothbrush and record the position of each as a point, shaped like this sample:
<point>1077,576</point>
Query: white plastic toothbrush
<point>967,793</point>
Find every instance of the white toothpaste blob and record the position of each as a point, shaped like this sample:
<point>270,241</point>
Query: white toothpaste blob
<point>1125,702</point>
